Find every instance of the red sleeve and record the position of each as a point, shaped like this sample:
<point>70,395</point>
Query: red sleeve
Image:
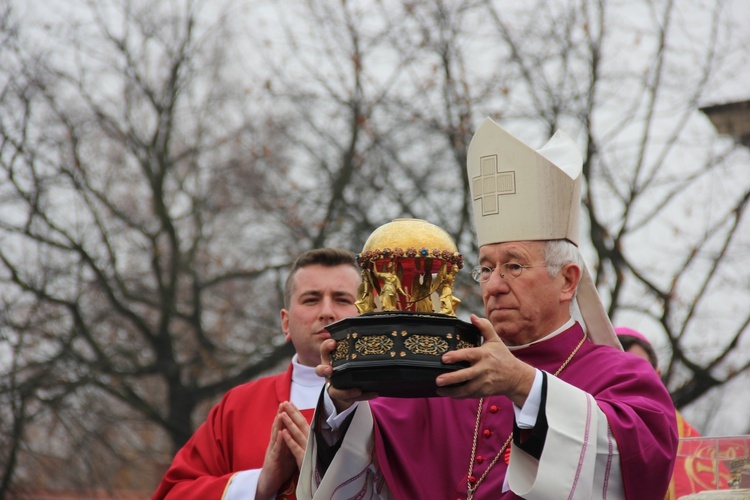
<point>200,469</point>
<point>233,438</point>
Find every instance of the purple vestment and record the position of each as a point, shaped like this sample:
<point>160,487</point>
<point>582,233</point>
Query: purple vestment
<point>424,445</point>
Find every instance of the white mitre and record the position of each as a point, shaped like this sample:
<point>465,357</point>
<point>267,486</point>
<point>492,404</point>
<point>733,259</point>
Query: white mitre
<point>520,194</point>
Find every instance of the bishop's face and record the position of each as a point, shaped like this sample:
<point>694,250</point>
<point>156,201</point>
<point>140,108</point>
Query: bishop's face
<point>320,296</point>
<point>532,304</point>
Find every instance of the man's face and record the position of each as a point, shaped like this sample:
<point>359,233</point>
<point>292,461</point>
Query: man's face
<point>532,305</point>
<point>320,296</point>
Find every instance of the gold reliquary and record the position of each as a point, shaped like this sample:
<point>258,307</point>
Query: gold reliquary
<point>407,313</point>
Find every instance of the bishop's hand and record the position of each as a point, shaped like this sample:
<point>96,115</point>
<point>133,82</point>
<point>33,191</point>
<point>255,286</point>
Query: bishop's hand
<point>494,370</point>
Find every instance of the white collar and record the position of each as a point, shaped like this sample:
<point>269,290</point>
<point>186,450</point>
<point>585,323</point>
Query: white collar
<point>304,375</point>
<point>563,328</point>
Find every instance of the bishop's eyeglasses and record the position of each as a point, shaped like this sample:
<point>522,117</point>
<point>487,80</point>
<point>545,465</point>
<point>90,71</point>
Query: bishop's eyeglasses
<point>511,270</point>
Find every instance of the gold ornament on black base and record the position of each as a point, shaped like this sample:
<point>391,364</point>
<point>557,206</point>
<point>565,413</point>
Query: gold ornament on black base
<point>407,313</point>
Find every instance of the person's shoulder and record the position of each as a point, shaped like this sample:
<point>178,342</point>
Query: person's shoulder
<point>259,383</point>
<point>243,402</point>
<point>614,357</point>
<point>624,366</point>
<point>254,387</point>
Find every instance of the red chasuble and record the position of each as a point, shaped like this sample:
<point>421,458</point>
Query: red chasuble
<point>233,438</point>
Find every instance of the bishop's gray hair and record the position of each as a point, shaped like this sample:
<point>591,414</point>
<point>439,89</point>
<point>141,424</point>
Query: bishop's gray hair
<point>557,253</point>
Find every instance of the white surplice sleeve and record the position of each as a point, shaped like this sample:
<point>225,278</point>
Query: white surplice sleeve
<point>353,473</point>
<point>580,454</point>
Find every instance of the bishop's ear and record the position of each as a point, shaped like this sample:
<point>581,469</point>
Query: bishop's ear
<point>571,275</point>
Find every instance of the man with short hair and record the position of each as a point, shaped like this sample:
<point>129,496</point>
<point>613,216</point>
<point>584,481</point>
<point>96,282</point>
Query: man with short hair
<point>546,408</point>
<point>253,441</point>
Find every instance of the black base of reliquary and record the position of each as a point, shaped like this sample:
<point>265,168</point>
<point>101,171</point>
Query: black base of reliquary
<point>397,354</point>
